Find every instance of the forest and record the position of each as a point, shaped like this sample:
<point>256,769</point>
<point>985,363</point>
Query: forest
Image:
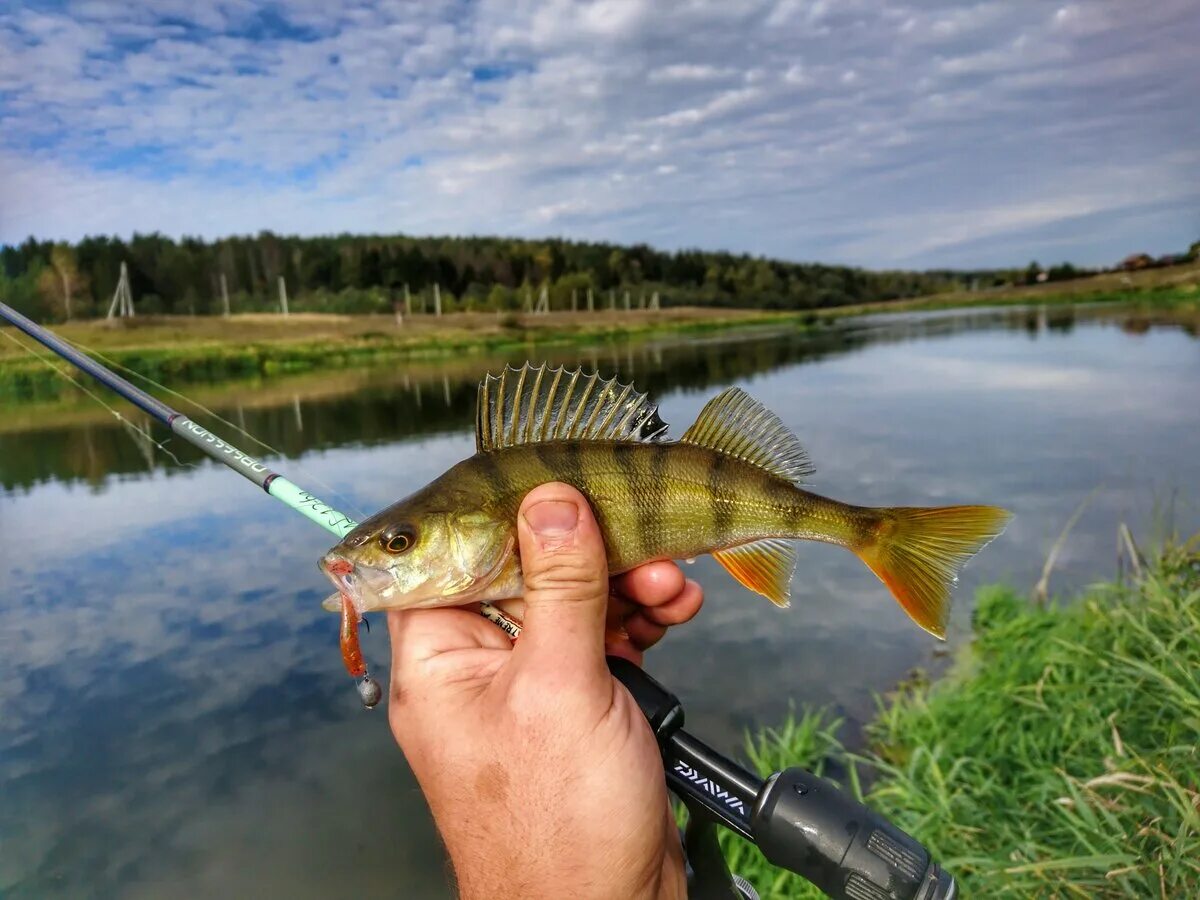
<point>54,281</point>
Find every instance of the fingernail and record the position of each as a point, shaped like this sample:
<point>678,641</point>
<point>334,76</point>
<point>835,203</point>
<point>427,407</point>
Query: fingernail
<point>552,518</point>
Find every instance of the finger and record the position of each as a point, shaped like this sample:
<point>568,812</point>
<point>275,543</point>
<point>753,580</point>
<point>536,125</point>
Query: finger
<point>566,579</point>
<point>652,584</point>
<point>619,609</point>
<point>418,635</point>
<point>679,610</point>
<point>643,633</point>
<point>624,649</point>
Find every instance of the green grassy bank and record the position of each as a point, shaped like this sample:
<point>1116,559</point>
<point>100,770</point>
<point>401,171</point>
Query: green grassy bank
<point>176,351</point>
<point>1057,758</point>
<point>188,350</point>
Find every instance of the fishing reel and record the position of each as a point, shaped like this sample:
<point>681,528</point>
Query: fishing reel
<point>799,821</point>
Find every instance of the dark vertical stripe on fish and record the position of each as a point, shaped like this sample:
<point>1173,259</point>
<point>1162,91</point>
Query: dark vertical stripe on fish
<point>601,495</point>
<point>629,465</point>
<point>718,497</point>
<point>572,464</point>
<point>545,458</point>
<point>654,498</point>
<point>493,478</point>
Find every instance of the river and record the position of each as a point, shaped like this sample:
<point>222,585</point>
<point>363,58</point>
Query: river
<point>174,718</point>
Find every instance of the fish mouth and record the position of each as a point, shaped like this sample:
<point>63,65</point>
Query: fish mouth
<point>366,586</point>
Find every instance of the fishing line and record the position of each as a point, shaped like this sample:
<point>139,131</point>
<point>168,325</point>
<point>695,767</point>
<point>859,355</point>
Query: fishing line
<point>145,379</point>
<point>273,483</point>
<point>65,376</point>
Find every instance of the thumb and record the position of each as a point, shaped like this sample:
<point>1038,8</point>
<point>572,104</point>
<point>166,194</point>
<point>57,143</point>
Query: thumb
<point>566,577</point>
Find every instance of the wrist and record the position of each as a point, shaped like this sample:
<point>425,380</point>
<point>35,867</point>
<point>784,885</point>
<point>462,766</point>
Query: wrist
<point>555,861</point>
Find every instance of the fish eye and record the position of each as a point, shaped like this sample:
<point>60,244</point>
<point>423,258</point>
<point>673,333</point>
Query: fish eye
<point>396,541</point>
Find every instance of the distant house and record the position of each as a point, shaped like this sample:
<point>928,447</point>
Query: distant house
<point>1137,261</point>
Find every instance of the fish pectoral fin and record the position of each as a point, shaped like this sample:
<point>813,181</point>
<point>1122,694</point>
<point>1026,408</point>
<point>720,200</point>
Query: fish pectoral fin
<point>332,603</point>
<point>765,567</point>
<point>737,425</point>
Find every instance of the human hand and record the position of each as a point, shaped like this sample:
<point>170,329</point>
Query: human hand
<point>540,770</point>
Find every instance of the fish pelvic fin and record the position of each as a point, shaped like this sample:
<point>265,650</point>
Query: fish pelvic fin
<point>764,567</point>
<point>917,553</point>
<point>737,425</point>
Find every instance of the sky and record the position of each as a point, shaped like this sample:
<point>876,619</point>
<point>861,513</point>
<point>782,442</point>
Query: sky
<point>919,134</point>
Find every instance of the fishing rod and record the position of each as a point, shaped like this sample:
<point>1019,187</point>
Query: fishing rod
<point>800,821</point>
<point>282,489</point>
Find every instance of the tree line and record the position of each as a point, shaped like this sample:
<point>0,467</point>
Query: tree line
<point>53,281</point>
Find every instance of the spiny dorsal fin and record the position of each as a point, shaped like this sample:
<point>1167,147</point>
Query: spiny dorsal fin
<point>765,567</point>
<point>736,424</point>
<point>534,404</point>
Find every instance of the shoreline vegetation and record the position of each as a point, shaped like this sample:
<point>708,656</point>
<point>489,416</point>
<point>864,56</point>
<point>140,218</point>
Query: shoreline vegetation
<point>180,350</point>
<point>185,349</point>
<point>1058,756</point>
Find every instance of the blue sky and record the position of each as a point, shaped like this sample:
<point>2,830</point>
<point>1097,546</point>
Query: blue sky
<point>910,134</point>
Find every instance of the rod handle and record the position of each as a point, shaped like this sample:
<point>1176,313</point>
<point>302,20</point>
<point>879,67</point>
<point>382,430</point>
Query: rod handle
<point>808,825</point>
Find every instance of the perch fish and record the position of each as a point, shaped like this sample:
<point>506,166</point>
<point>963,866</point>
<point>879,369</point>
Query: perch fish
<point>730,486</point>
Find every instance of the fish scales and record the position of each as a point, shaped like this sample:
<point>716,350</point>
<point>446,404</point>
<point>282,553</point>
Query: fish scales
<point>730,486</point>
<point>653,501</point>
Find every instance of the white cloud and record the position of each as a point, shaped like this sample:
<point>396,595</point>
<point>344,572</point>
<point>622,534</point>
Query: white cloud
<point>816,127</point>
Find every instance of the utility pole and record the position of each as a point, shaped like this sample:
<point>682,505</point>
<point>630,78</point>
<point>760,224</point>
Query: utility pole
<point>283,307</point>
<point>225,294</point>
<point>437,299</point>
<point>122,301</point>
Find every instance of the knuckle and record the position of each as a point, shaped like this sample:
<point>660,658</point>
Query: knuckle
<point>568,579</point>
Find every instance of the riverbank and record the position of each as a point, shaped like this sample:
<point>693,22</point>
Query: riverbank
<point>1176,289</point>
<point>188,350</point>
<point>181,350</point>
<point>1057,758</point>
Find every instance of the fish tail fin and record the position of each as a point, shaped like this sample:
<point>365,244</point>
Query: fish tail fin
<point>917,553</point>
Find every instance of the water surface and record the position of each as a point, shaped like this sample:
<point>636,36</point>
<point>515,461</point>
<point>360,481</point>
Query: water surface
<point>174,718</point>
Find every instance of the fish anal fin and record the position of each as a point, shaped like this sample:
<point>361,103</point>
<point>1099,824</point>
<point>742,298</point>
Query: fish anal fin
<point>764,567</point>
<point>736,424</point>
<point>535,404</point>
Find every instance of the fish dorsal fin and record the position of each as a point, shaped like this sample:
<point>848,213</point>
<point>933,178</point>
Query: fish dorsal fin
<point>736,424</point>
<point>765,567</point>
<point>534,404</point>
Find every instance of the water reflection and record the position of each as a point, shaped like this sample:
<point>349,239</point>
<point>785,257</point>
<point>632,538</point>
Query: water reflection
<point>368,407</point>
<point>379,406</point>
<point>173,714</point>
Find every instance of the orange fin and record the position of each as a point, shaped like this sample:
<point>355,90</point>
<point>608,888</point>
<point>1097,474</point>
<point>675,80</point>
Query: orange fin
<point>917,553</point>
<point>765,567</point>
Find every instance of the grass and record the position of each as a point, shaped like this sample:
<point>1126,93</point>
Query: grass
<point>1058,758</point>
<point>179,350</point>
<point>189,350</point>
<point>1176,288</point>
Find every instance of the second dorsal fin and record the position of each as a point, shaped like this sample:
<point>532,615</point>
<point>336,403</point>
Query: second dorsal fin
<point>736,424</point>
<point>535,404</point>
